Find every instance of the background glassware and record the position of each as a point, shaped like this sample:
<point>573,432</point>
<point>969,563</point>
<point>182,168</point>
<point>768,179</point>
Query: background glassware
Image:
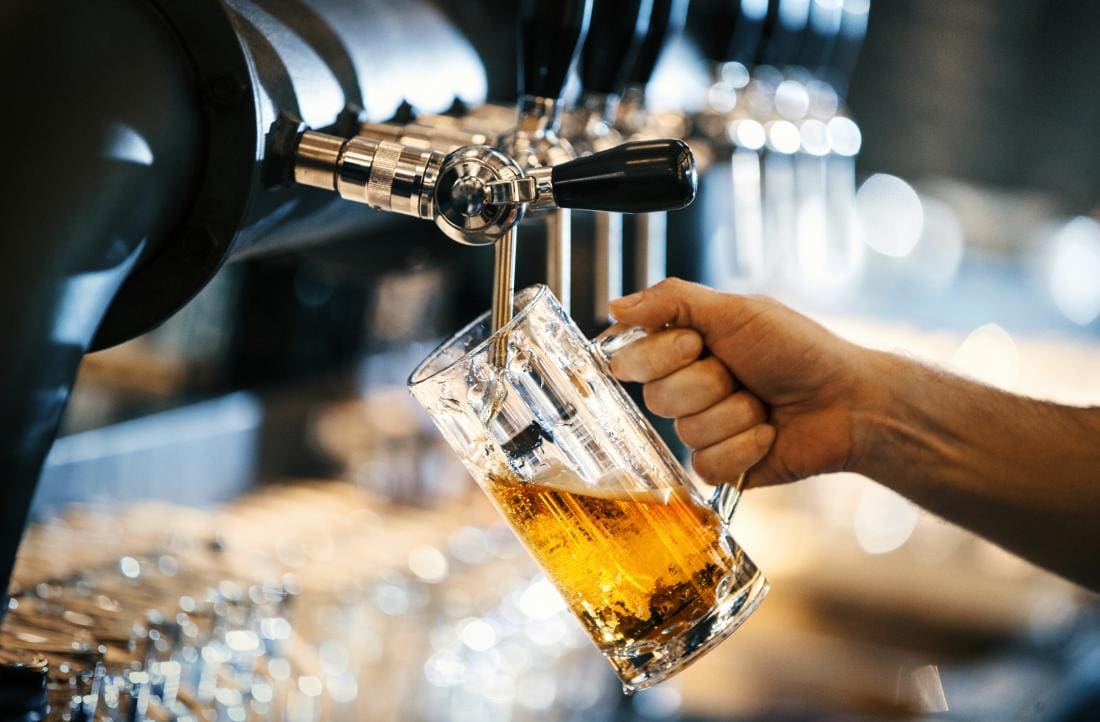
<point>196,615</point>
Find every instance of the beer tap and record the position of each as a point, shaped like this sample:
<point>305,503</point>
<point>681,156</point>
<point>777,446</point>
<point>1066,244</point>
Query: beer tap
<point>476,194</point>
<point>729,34</point>
<point>843,137</point>
<point>807,202</point>
<point>550,35</point>
<point>666,21</point>
<point>776,103</point>
<point>789,141</point>
<point>821,248</point>
<point>614,38</point>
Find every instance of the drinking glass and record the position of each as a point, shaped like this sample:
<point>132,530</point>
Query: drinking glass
<point>644,563</point>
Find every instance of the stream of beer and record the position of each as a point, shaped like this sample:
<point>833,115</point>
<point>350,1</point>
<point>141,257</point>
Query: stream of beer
<point>504,282</point>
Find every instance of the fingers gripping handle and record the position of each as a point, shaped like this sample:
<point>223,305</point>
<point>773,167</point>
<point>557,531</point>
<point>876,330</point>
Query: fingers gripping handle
<point>636,177</point>
<point>616,338</point>
<point>726,496</point>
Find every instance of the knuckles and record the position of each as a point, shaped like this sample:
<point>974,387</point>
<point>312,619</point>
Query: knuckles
<point>656,357</point>
<point>754,411</point>
<point>688,390</point>
<point>734,414</point>
<point>672,283</point>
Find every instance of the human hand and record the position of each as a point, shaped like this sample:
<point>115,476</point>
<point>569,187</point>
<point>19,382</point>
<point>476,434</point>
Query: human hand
<point>778,392</point>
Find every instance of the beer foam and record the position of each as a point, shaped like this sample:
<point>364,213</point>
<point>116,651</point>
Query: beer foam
<point>616,485</point>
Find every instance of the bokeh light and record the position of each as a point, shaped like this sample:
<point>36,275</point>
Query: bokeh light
<point>989,354</point>
<point>815,137</point>
<point>747,133</point>
<point>783,136</point>
<point>721,98</point>
<point>1075,270</point>
<point>883,520</point>
<point>735,74</point>
<point>890,214</point>
<point>845,137</point>
<point>791,100</point>
<point>936,260</point>
<point>428,563</point>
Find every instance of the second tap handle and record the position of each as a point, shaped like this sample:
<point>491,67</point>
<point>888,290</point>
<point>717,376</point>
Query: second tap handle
<point>636,177</point>
<point>614,38</point>
<point>666,20</point>
<point>728,30</point>
<point>712,23</point>
<point>550,34</point>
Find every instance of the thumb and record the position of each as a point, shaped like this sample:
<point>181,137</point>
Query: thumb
<point>672,302</point>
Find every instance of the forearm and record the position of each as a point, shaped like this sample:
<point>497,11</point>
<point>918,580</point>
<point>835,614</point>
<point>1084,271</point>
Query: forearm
<point>1023,473</point>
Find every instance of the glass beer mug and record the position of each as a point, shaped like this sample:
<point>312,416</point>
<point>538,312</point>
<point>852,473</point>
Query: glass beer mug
<point>593,493</point>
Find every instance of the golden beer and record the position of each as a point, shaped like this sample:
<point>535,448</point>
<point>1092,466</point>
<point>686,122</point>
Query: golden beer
<point>633,566</point>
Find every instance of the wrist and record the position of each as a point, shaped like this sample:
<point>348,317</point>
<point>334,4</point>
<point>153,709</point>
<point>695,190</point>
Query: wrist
<point>883,418</point>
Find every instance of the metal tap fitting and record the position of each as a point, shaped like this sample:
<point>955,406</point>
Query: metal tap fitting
<point>476,194</point>
<point>383,174</point>
<point>454,190</point>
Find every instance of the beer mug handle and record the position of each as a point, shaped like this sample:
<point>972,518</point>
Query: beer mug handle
<point>607,344</point>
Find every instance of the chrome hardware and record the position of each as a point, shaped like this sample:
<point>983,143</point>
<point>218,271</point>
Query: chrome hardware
<point>519,190</point>
<point>438,132</point>
<point>535,188</point>
<point>382,174</point>
<point>477,194</point>
<point>589,127</point>
<point>536,146</point>
<point>465,210</point>
<point>451,189</point>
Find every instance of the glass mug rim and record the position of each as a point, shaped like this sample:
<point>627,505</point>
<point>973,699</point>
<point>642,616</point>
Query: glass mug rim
<point>727,496</point>
<point>427,370</point>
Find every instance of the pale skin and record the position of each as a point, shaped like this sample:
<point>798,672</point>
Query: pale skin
<point>756,387</point>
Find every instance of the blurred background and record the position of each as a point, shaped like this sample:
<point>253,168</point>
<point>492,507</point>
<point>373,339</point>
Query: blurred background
<point>251,482</point>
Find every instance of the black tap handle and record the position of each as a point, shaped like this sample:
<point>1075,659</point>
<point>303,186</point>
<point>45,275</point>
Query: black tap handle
<point>638,177</point>
<point>820,37</point>
<point>550,34</point>
<point>784,27</point>
<point>666,21</point>
<point>728,30</point>
<point>614,36</point>
<point>712,23</point>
